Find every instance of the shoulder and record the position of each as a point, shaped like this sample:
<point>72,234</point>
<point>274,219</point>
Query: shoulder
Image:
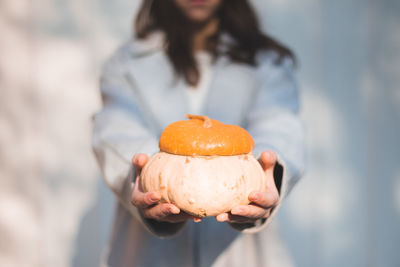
<point>115,63</point>
<point>272,59</point>
<point>264,58</point>
<point>134,48</point>
<point>269,64</point>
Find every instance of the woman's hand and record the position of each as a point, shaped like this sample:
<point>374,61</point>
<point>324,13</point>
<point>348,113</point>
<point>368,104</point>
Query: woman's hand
<point>148,203</point>
<point>261,202</point>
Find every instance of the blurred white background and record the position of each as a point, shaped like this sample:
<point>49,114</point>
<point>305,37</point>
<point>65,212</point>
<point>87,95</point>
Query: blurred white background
<point>54,207</point>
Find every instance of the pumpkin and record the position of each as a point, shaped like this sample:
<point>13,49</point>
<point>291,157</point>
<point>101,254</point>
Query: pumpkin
<point>204,167</point>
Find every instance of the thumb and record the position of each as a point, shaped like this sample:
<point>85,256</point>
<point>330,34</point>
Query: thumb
<point>267,160</point>
<point>138,161</point>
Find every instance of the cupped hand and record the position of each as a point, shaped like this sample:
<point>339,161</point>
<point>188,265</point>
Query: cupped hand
<point>261,203</point>
<point>149,203</point>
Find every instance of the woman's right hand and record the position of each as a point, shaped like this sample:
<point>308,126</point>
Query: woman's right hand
<point>149,203</point>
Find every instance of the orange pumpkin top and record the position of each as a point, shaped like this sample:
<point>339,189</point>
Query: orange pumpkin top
<point>203,136</point>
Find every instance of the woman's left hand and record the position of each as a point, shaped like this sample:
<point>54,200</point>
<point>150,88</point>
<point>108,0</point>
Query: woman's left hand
<point>261,203</point>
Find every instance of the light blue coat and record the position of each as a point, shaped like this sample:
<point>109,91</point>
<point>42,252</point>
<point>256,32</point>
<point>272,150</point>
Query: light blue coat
<point>141,96</point>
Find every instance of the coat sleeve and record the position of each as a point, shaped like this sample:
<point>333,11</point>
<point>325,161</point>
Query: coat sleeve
<point>120,130</point>
<point>274,123</point>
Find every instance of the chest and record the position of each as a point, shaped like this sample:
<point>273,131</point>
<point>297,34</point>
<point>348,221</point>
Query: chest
<point>230,93</point>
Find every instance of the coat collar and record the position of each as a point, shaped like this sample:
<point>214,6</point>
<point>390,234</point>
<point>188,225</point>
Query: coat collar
<point>152,43</point>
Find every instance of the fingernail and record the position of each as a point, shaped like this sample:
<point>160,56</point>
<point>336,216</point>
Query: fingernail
<point>154,198</point>
<point>222,218</point>
<point>269,156</point>
<point>197,220</point>
<point>254,196</point>
<point>174,210</point>
<point>273,156</point>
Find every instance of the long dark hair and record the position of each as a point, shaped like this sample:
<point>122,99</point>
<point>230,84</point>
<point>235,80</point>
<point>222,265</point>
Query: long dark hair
<point>236,17</point>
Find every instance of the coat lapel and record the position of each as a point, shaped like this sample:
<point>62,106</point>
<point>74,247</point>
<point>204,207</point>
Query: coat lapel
<point>155,84</point>
<point>227,100</point>
<point>162,94</point>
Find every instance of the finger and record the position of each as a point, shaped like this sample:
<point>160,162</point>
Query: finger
<point>137,187</point>
<point>186,216</point>
<point>249,211</point>
<point>160,211</point>
<point>222,217</point>
<point>267,214</point>
<point>197,219</point>
<point>145,200</point>
<point>265,199</point>
<point>190,216</point>
<point>267,160</point>
<point>175,218</point>
<point>138,161</point>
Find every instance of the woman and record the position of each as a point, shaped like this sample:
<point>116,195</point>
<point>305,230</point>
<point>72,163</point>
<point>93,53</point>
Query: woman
<point>204,57</point>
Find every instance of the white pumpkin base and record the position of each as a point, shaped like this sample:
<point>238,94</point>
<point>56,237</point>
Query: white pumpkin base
<point>203,185</point>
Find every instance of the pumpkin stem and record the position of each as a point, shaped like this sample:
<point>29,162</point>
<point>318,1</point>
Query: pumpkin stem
<point>207,121</point>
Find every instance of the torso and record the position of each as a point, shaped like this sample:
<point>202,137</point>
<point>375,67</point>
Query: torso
<point>167,98</point>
